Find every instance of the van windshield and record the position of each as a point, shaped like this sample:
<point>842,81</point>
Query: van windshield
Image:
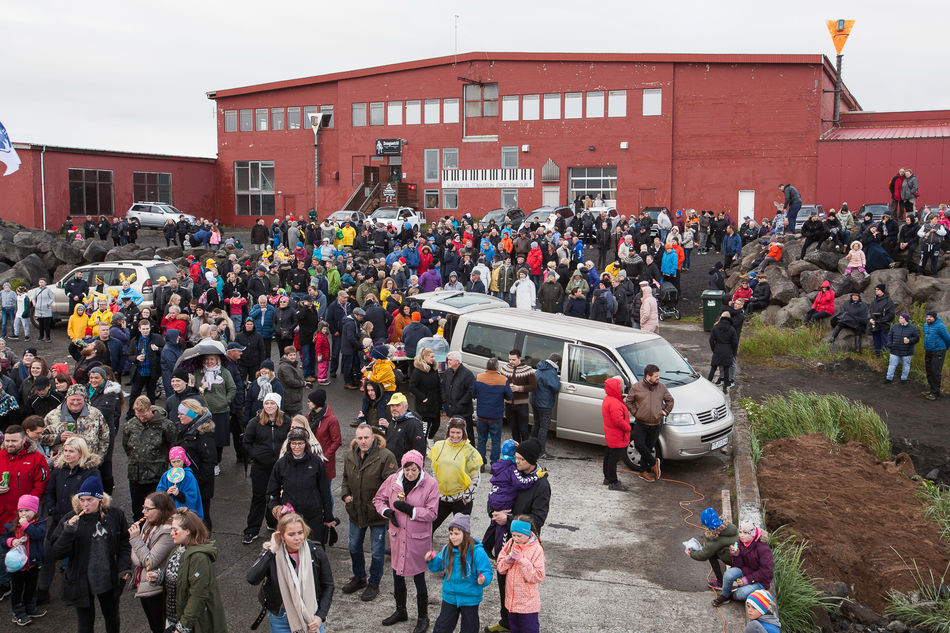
<point>674,370</point>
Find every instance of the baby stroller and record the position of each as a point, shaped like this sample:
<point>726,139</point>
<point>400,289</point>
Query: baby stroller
<point>666,302</point>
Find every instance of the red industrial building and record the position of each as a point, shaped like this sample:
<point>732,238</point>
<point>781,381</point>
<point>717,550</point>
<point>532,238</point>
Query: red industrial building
<point>857,160</point>
<point>482,130</point>
<point>54,182</point>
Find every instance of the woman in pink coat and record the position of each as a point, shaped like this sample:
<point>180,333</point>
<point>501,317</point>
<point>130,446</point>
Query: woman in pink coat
<point>649,316</point>
<point>409,498</point>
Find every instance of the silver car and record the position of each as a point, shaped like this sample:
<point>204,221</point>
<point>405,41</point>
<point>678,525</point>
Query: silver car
<point>106,276</point>
<point>154,215</point>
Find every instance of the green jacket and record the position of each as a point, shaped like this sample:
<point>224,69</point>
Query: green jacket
<point>219,397</point>
<point>333,281</point>
<point>363,477</point>
<point>147,444</point>
<point>718,547</point>
<point>199,607</point>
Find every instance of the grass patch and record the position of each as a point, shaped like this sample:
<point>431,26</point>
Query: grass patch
<point>763,342</point>
<point>796,592</point>
<point>832,415</point>
<point>927,608</point>
<point>937,499</point>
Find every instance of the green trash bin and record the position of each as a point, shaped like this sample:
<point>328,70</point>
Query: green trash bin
<point>712,307</point>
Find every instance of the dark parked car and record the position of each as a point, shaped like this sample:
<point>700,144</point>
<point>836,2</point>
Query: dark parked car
<point>515,215</point>
<point>805,211</point>
<point>876,210</point>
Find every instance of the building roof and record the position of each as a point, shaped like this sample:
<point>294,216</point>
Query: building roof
<point>482,56</point>
<point>881,133</point>
<point>105,152</point>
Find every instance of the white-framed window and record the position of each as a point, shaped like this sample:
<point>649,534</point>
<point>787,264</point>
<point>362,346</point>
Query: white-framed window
<point>552,106</point>
<point>276,119</point>
<point>450,198</point>
<point>430,199</point>
<point>531,107</point>
<point>431,165</point>
<point>481,100</point>
<point>262,118</point>
<point>309,113</point>
<point>230,120</point>
<point>509,157</point>
<point>359,114</point>
<point>590,181</point>
<point>377,113</point>
<point>431,111</point>
<point>509,108</point>
<point>254,187</point>
<point>573,105</point>
<point>450,158</point>
<point>247,120</point>
<point>653,102</point>
<point>595,105</point>
<point>509,198</point>
<point>293,118</point>
<point>617,103</point>
<point>413,112</point>
<point>394,113</point>
<point>327,109</point>
<point>450,110</point>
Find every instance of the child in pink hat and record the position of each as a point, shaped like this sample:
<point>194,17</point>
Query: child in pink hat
<point>26,532</point>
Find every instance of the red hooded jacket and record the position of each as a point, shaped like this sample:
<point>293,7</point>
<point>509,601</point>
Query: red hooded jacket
<point>825,301</point>
<point>616,416</point>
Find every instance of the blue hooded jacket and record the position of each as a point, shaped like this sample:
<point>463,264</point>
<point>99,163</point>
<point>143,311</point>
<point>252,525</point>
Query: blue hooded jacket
<point>487,250</point>
<point>549,385</point>
<point>463,590</point>
<point>670,263</point>
<point>170,354</point>
<point>936,337</point>
<point>263,320</point>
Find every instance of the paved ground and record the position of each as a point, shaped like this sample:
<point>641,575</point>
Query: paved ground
<point>614,560</point>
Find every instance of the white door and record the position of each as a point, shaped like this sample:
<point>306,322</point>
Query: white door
<point>550,196</point>
<point>746,204</point>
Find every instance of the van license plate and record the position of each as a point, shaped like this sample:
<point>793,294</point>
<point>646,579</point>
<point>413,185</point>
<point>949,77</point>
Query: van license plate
<point>719,443</point>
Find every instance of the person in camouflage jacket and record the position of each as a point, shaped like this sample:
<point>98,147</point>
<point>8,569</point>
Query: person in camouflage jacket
<point>86,421</point>
<point>147,437</point>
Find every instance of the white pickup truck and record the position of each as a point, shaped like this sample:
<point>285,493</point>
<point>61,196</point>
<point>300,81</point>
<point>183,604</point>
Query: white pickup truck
<point>397,217</point>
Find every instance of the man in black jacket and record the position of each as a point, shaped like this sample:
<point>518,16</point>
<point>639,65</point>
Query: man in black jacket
<point>299,279</point>
<point>307,322</point>
<point>533,502</point>
<point>336,312</point>
<point>378,316</point>
<point>145,351</point>
<point>259,284</point>
<point>406,432</point>
<point>76,289</point>
<point>350,347</point>
<point>456,387</point>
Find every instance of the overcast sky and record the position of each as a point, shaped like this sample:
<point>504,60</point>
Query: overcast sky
<point>126,76</point>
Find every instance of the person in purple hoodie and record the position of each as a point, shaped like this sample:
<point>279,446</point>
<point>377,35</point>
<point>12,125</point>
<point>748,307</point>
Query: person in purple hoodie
<point>751,565</point>
<point>506,481</point>
<point>431,279</point>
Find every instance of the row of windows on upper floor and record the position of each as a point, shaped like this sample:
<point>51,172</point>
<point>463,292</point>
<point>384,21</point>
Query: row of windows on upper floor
<point>481,100</point>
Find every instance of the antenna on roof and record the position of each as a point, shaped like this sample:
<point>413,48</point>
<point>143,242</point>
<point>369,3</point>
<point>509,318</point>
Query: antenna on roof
<point>456,40</point>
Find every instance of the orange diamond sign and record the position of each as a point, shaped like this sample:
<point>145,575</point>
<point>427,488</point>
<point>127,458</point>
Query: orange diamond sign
<point>840,30</point>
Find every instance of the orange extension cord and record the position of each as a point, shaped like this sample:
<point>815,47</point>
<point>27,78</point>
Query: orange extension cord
<point>690,514</point>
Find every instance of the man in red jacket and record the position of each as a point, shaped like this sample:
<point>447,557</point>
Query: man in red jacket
<point>23,472</point>
<point>616,430</point>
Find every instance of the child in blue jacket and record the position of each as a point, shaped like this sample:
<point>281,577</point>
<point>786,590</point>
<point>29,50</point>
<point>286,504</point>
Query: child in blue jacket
<point>467,572</point>
<point>28,530</point>
<point>180,483</point>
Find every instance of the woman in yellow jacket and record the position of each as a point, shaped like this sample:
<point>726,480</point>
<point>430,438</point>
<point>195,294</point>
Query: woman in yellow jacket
<point>349,234</point>
<point>76,329</point>
<point>382,371</point>
<point>457,467</point>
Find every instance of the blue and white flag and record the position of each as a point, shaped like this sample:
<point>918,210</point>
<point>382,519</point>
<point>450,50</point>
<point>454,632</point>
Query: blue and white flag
<point>8,155</point>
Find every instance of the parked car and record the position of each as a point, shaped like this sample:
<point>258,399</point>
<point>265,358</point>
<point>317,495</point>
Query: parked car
<point>154,215</point>
<point>514,215</point>
<point>480,326</point>
<point>805,211</point>
<point>397,217</point>
<point>875,209</point>
<point>356,217</point>
<point>146,271</point>
<point>611,212</point>
<point>550,218</point>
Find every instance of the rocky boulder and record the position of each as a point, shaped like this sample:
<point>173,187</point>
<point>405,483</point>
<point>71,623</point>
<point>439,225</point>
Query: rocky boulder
<point>811,281</point>
<point>169,252</point>
<point>31,238</point>
<point>895,279</point>
<point>924,288</point>
<point>96,251</point>
<point>794,312</point>
<point>823,259</point>
<point>783,289</point>
<point>129,251</point>
<point>31,269</point>
<point>797,267</point>
<point>67,252</point>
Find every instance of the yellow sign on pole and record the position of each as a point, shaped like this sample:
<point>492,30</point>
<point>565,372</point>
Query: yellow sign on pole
<point>840,30</point>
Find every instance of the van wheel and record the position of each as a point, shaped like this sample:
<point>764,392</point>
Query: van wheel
<point>660,316</point>
<point>631,456</point>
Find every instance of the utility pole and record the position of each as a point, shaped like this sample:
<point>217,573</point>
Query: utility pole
<point>839,30</point>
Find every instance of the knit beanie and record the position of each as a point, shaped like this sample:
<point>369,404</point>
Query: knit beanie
<point>180,374</point>
<point>77,390</point>
<point>530,450</point>
<point>380,352</point>
<point>91,487</point>
<point>30,502</point>
<point>412,457</point>
<point>462,522</point>
<point>881,287</point>
<point>761,600</point>
<point>318,397</point>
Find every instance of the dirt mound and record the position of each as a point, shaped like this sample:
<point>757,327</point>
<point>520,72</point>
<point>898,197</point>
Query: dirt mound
<point>856,513</point>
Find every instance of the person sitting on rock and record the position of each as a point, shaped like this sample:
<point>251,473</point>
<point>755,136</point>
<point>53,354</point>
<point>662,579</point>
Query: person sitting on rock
<point>814,232</point>
<point>853,316</point>
<point>752,565</point>
<point>824,304</point>
<point>761,295</point>
<point>856,258</point>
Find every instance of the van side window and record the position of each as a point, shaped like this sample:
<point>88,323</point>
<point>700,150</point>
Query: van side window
<point>536,348</point>
<point>590,367</point>
<point>487,341</point>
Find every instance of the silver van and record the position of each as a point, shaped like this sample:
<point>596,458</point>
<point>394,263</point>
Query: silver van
<point>480,326</point>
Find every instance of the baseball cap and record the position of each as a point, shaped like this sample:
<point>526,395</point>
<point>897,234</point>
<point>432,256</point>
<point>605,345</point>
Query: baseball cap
<point>397,398</point>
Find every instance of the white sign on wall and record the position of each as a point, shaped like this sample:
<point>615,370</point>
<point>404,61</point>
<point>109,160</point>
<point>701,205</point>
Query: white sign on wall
<point>487,178</point>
